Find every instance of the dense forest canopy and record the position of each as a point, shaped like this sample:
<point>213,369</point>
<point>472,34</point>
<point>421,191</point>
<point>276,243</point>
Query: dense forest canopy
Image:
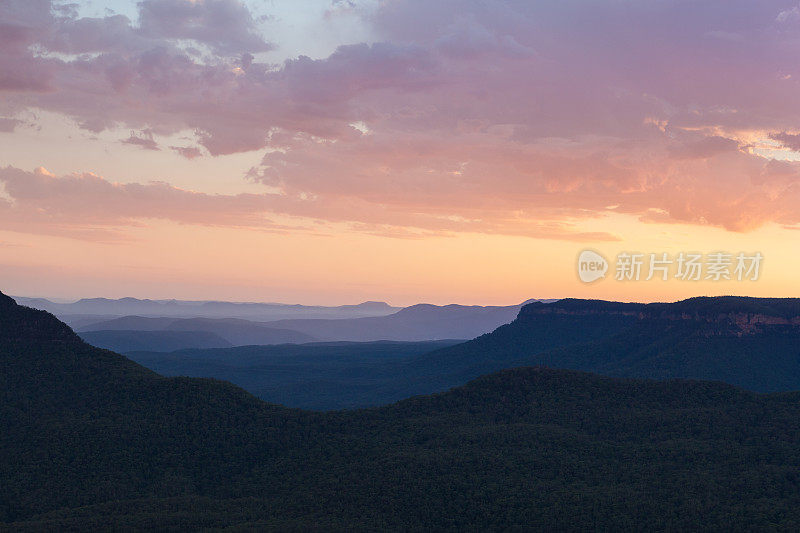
<point>91,439</point>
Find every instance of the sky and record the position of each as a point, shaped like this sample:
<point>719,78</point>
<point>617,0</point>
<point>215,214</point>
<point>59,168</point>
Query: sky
<point>331,152</point>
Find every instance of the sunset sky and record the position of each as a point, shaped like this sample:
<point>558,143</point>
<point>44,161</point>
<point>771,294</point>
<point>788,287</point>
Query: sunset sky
<point>330,152</point>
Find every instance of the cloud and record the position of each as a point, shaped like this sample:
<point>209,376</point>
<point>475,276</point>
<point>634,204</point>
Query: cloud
<point>512,117</point>
<point>143,140</point>
<point>789,140</point>
<point>703,148</point>
<point>225,25</point>
<point>189,152</point>
<point>789,15</point>
<point>87,206</point>
<point>497,185</point>
<point>8,125</point>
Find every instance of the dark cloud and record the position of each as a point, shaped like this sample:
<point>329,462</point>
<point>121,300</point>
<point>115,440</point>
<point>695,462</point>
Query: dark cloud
<point>789,140</point>
<point>143,140</point>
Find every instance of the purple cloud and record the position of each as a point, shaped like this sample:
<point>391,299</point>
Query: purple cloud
<point>789,140</point>
<point>8,125</point>
<point>509,117</point>
<point>189,152</point>
<point>225,25</point>
<point>143,140</point>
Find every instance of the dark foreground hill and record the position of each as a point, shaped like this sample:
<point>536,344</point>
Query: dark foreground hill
<point>92,440</point>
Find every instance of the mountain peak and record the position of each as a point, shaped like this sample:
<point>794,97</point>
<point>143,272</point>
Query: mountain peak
<point>19,322</point>
<point>372,304</point>
<point>7,302</point>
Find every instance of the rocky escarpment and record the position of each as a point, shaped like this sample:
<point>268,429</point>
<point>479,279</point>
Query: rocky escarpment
<point>729,314</point>
<point>726,315</point>
<point>577,307</point>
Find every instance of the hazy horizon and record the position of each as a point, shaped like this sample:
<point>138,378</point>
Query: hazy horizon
<point>330,152</point>
<point>391,304</point>
<point>62,300</point>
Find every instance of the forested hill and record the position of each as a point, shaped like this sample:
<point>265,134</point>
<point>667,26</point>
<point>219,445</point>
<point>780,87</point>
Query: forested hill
<point>91,440</point>
<point>750,342</point>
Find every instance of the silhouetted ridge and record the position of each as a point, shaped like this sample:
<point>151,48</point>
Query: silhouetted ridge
<point>581,307</point>
<point>743,314</point>
<point>92,441</point>
<point>749,342</point>
<point>18,323</point>
<point>729,308</point>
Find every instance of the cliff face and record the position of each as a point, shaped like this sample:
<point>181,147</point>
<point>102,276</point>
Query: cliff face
<point>727,315</point>
<point>730,323</point>
<point>576,307</point>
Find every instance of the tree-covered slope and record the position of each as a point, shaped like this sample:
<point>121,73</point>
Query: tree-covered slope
<point>123,341</point>
<point>337,375</point>
<point>750,342</point>
<point>753,343</point>
<point>91,440</point>
<point>765,361</point>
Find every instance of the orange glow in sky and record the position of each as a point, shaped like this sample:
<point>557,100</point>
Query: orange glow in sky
<point>365,152</point>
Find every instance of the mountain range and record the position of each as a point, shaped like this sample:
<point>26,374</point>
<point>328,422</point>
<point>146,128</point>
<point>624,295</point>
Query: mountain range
<point>116,334</point>
<point>95,309</point>
<point>324,375</point>
<point>749,342</point>
<point>421,322</point>
<point>91,440</point>
<point>753,343</point>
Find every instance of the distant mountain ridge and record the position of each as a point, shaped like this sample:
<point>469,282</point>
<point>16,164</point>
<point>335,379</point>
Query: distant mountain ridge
<point>230,331</point>
<point>107,307</point>
<point>751,343</point>
<point>415,323</point>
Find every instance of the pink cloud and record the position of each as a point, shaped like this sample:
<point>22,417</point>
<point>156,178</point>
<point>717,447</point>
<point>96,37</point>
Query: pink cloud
<point>515,117</point>
<point>88,206</point>
<point>703,147</point>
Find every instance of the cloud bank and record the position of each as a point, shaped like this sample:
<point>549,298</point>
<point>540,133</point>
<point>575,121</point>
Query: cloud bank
<point>514,117</point>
